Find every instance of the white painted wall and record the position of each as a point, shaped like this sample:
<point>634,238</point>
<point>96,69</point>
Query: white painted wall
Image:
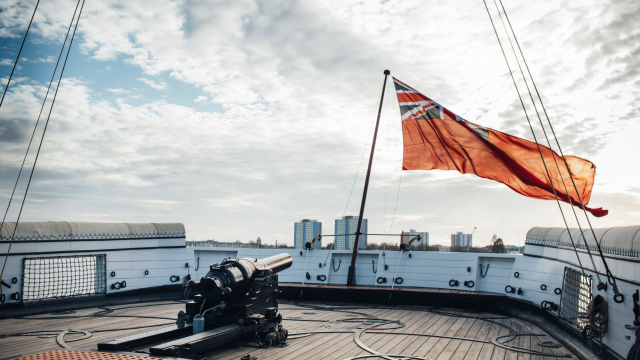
<point>423,269</point>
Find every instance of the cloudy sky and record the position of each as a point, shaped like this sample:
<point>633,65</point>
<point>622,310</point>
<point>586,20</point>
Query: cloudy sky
<point>238,118</point>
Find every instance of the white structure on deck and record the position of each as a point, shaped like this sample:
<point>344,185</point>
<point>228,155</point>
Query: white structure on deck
<point>83,258</point>
<point>152,255</point>
<point>623,241</point>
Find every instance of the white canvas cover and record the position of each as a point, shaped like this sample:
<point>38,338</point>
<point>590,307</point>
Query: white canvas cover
<point>77,230</point>
<point>623,240</point>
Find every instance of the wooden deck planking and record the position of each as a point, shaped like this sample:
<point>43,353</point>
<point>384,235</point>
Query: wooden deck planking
<point>486,353</point>
<point>325,316</point>
<point>402,344</point>
<point>452,345</point>
<point>483,328</point>
<point>413,321</point>
<point>465,346</point>
<point>420,340</point>
<point>441,343</point>
<point>320,343</point>
<point>21,345</point>
<point>522,341</point>
<point>500,353</point>
<point>251,348</point>
<point>318,346</point>
<point>557,351</point>
<point>439,328</point>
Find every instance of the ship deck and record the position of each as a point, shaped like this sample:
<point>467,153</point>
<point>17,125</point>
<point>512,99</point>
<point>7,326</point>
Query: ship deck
<point>316,330</point>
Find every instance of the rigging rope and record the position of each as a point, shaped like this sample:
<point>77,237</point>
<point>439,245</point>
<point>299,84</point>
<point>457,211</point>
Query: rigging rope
<point>544,163</point>
<point>24,198</point>
<point>610,278</point>
<point>394,209</point>
<point>548,143</point>
<point>15,63</point>
<point>39,115</point>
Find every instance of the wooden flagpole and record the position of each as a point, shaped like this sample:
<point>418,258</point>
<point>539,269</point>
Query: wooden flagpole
<point>351,278</point>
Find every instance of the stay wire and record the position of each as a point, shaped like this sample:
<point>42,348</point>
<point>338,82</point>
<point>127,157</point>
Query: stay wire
<point>15,64</point>
<point>550,150</point>
<point>39,115</point>
<point>610,278</point>
<point>393,218</point>
<point>24,198</point>
<point>526,115</point>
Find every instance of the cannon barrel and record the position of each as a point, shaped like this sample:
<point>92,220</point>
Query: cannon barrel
<point>277,263</point>
<point>233,278</point>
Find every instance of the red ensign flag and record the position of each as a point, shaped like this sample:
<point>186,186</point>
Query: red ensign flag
<point>435,138</point>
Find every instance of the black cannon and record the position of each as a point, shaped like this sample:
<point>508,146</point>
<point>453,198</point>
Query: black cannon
<point>237,298</point>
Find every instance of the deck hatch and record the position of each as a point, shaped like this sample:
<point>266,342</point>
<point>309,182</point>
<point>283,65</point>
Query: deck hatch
<point>575,298</point>
<point>63,276</point>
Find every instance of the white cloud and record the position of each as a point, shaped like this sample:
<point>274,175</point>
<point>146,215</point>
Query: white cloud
<point>48,59</point>
<point>119,91</point>
<point>298,83</point>
<point>152,84</point>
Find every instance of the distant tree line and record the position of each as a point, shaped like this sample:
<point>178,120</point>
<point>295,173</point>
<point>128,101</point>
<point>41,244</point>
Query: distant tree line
<point>496,247</point>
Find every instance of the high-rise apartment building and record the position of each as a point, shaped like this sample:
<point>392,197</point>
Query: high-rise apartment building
<point>461,240</point>
<point>408,235</point>
<point>347,227</point>
<point>305,231</point>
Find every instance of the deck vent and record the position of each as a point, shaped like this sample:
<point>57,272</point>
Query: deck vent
<point>575,298</point>
<point>63,276</point>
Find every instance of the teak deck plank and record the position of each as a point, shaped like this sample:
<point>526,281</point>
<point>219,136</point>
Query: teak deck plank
<point>337,346</point>
<point>311,345</point>
<point>290,325</point>
<point>453,345</point>
<point>442,343</point>
<point>413,320</point>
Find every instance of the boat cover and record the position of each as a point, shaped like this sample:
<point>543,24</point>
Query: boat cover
<point>53,230</point>
<point>623,240</point>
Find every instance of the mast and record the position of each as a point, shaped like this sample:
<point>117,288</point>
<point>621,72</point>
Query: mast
<point>351,278</point>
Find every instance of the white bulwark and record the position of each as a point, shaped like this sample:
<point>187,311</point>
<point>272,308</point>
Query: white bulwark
<point>305,231</point>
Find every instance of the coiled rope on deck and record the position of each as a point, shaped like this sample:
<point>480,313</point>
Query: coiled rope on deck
<point>598,322</point>
<point>634,351</point>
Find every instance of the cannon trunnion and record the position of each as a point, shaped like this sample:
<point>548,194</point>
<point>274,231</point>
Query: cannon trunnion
<point>237,298</point>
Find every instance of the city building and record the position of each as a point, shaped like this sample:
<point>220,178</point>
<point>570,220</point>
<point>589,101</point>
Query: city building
<point>347,227</point>
<point>305,231</point>
<point>408,235</point>
<point>461,240</point>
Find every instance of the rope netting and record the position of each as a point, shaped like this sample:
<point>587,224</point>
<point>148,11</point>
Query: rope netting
<point>64,276</point>
<point>575,299</point>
